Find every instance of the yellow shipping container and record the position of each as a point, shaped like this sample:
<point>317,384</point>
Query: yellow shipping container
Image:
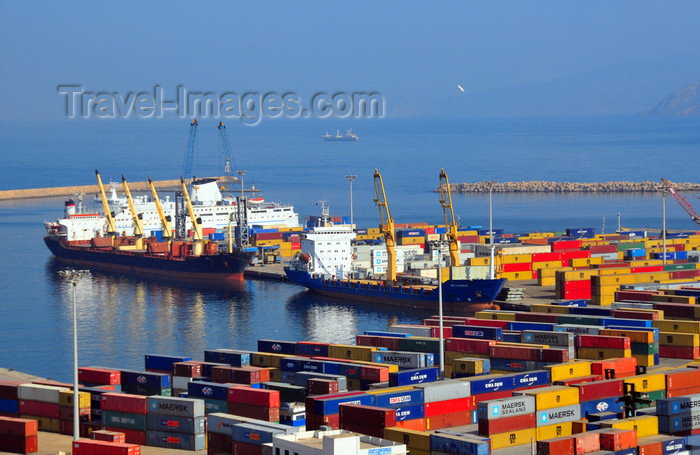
<point>568,370</point>
<point>576,275</point>
<point>351,352</point>
<point>650,382</point>
<point>645,425</point>
<point>354,384</point>
<point>551,271</point>
<point>582,262</point>
<point>496,315</point>
<point>65,398</point>
<point>689,300</point>
<point>549,308</point>
<point>467,233</point>
<point>414,439</point>
<point>266,359</point>
<point>635,336</point>
<point>615,271</point>
<point>515,258</point>
<point>602,300</point>
<point>609,280</point>
<point>468,365</point>
<point>650,277</point>
<point>546,281</point>
<point>553,397</point>
<point>45,423</point>
<point>478,261</point>
<point>602,353</point>
<point>556,265</point>
<point>554,431</point>
<point>402,388</point>
<point>451,356</point>
<point>671,325</point>
<point>512,438</point>
<point>516,276</point>
<point>644,360</point>
<point>275,374</point>
<point>679,339</point>
<point>605,290</point>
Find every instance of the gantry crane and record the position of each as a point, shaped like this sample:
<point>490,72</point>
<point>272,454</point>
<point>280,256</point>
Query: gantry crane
<point>189,156</point>
<point>111,224</point>
<point>198,246</point>
<point>387,228</point>
<point>450,223</point>
<point>681,200</point>
<point>136,217</point>
<point>164,219</point>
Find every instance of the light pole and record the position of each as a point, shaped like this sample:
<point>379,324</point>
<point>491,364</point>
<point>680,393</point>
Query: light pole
<point>441,335</point>
<point>350,179</point>
<point>72,276</point>
<point>492,269</point>
<point>241,174</point>
<point>663,227</point>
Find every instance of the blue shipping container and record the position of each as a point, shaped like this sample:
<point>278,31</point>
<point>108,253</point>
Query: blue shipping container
<point>531,326</point>
<point>231,357</point>
<point>277,347</point>
<point>145,379</point>
<point>492,384</point>
<point>470,331</point>
<point>462,444</point>
<point>603,405</point>
<point>327,406</point>
<point>309,349</point>
<point>163,362</point>
<point>399,399</point>
<point>413,412</point>
<point>532,379</point>
<point>415,376</point>
<point>209,390</point>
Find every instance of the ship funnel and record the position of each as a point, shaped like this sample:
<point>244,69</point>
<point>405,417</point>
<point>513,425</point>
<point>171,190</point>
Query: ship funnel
<point>69,208</point>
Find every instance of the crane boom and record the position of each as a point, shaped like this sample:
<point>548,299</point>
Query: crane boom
<point>450,223</point>
<point>196,225</point>
<point>223,135</point>
<point>681,200</point>
<point>164,221</point>
<point>111,225</point>
<point>138,223</point>
<point>189,156</point>
<point>387,227</point>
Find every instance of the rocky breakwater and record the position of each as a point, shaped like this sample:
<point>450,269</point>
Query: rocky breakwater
<point>568,187</point>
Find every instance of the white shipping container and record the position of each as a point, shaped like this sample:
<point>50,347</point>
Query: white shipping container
<point>38,392</point>
<point>181,382</point>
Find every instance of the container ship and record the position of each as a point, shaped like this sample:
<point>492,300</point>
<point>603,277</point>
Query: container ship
<point>325,265</point>
<point>91,239</point>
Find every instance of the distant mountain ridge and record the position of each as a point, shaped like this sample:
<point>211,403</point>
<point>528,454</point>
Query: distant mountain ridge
<point>684,102</point>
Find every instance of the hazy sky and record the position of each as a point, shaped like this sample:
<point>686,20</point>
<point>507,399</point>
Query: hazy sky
<point>414,53</point>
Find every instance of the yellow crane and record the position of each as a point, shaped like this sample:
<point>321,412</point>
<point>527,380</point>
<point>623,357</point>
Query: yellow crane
<point>198,246</point>
<point>111,224</point>
<point>136,218</point>
<point>164,220</point>
<point>387,227</point>
<point>450,223</point>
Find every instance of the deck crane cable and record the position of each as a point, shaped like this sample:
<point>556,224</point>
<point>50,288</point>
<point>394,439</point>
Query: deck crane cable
<point>681,200</point>
<point>189,155</point>
<point>387,228</point>
<point>450,223</point>
<point>228,157</point>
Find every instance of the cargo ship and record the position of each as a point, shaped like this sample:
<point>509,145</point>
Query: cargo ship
<point>329,272</point>
<point>349,136</point>
<point>90,239</point>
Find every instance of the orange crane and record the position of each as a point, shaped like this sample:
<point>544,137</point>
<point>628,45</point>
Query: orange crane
<point>450,223</point>
<point>387,228</point>
<point>681,200</point>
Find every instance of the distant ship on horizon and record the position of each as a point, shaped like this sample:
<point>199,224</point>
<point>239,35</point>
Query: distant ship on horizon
<point>349,136</point>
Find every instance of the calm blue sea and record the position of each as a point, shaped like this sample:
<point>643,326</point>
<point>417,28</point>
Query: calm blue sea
<point>121,318</point>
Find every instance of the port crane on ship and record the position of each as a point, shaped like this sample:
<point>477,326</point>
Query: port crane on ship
<point>189,157</point>
<point>450,223</point>
<point>164,219</point>
<point>681,200</point>
<point>387,227</point>
<point>136,217</point>
<point>111,224</point>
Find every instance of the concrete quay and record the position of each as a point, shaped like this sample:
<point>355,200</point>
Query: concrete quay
<point>567,187</point>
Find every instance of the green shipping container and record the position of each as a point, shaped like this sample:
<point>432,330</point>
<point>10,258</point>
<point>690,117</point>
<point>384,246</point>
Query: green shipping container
<point>653,396</point>
<point>419,344</point>
<point>645,349</point>
<point>125,420</point>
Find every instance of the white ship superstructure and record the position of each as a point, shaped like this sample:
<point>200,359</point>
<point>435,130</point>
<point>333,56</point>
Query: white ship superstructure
<point>215,211</point>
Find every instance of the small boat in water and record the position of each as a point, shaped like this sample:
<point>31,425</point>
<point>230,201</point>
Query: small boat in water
<point>348,137</point>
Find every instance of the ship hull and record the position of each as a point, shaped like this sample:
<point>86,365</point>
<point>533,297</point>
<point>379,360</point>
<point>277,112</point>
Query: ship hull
<point>222,267</point>
<point>459,296</point>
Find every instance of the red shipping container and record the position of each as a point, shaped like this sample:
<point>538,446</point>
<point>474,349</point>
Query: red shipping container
<point>682,392</point>
<point>250,375</point>
<point>601,341</point>
<point>517,267</point>
<point>644,296</point>
<point>683,274</point>
<point>369,430</point>
<point>556,355</point>
<point>332,420</point>
<point>476,399</point>
<point>600,389</point>
<point>575,254</point>
<point>633,314</point>
<point>579,380</point>
<point>374,374</point>
<point>188,369</point>
<point>448,406</point>
<point>255,412</point>
<point>132,436</point>
<point>222,374</point>
<point>219,443</point>
<point>367,415</point>
<point>649,447</point>
<point>576,285</point>
<point>100,376</point>
<point>320,386</point>
<point>546,257</point>
<point>268,236</point>
<point>242,448</point>
<point>391,343</point>
<point>675,310</point>
<point>623,366</point>
<point>505,424</point>
<point>575,294</point>
<point>679,352</point>
<point>66,413</point>
<point>415,424</point>
<point>468,345</point>
<point>587,442</point>
<point>565,445</point>
<point>647,269</point>
<point>682,379</point>
<point>599,249</point>
<point>8,390</point>
<point>455,419</point>
<point>561,245</point>
<point>485,322</point>
<point>548,318</point>
<point>39,408</point>
<point>318,348</point>
<point>514,352</point>
<point>110,436</point>
<point>123,402</point>
<point>618,439</point>
<point>19,444</point>
<point>446,332</point>
<point>15,426</point>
